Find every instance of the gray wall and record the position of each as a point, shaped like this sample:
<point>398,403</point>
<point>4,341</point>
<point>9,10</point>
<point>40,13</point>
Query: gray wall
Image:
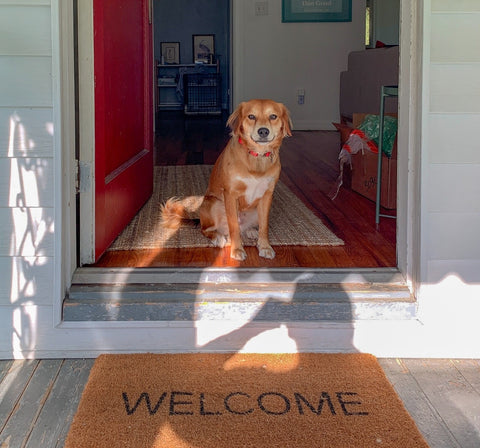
<point>386,15</point>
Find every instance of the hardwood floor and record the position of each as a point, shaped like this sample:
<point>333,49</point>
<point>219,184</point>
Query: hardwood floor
<point>309,168</point>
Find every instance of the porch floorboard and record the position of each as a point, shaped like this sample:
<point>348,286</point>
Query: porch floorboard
<point>38,399</point>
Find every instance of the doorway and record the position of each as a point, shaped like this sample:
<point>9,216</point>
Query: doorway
<point>309,176</point>
<point>192,52</point>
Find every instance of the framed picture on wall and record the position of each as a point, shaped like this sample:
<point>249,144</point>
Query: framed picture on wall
<point>170,52</point>
<point>203,48</point>
<point>316,11</point>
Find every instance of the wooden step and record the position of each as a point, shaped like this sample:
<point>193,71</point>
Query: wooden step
<point>162,295</point>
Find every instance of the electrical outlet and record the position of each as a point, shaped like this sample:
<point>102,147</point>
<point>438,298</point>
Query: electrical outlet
<point>301,96</point>
<point>261,8</point>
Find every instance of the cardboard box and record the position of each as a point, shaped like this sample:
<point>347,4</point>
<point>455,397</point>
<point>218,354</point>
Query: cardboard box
<point>364,173</point>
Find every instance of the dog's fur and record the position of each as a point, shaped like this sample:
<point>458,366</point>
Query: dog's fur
<point>241,185</point>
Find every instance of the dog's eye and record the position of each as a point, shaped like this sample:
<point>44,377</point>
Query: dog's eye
<point>273,117</point>
<point>251,117</point>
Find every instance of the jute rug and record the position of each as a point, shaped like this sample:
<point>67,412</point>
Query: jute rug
<point>291,222</point>
<point>240,400</point>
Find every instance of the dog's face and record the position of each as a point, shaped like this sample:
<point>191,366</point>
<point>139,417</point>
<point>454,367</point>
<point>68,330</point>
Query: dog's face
<point>260,122</point>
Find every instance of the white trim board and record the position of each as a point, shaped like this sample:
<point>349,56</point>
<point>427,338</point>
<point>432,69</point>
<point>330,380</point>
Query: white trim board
<point>380,338</point>
<point>53,338</point>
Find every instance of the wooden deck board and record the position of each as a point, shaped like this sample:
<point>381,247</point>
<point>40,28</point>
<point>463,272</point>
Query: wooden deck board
<point>38,399</point>
<point>4,368</point>
<point>427,418</point>
<point>57,413</point>
<point>30,402</point>
<point>470,369</point>
<point>453,397</point>
<point>13,387</point>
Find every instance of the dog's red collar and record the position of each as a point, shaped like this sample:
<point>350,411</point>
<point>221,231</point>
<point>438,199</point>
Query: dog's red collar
<point>253,153</point>
<point>256,154</point>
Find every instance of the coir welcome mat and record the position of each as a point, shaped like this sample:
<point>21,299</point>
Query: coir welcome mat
<point>240,400</point>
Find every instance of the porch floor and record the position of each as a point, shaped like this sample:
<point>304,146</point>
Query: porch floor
<point>38,399</point>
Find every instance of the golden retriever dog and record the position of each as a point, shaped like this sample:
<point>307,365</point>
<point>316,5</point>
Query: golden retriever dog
<point>240,190</point>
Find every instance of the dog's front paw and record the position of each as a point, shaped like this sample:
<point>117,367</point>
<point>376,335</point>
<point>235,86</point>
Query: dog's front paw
<point>219,240</point>
<point>238,254</point>
<point>266,252</point>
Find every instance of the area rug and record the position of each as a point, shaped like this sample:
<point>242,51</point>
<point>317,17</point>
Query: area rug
<point>240,400</point>
<point>291,222</point>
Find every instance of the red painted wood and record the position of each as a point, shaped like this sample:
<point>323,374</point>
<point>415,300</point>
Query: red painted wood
<point>123,69</point>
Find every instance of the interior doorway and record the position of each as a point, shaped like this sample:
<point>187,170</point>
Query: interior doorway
<point>192,39</point>
<point>192,52</point>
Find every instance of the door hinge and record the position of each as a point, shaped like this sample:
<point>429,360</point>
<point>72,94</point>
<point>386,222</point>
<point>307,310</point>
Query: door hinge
<point>83,176</point>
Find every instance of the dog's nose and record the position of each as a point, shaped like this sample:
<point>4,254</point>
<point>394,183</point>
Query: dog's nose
<point>263,132</point>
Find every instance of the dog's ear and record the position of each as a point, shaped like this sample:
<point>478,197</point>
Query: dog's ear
<point>234,121</point>
<point>287,122</point>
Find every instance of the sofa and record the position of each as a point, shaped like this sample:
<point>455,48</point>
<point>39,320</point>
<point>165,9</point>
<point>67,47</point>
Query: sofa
<point>360,84</point>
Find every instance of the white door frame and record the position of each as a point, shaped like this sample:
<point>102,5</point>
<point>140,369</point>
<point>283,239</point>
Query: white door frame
<point>411,38</point>
<point>86,126</point>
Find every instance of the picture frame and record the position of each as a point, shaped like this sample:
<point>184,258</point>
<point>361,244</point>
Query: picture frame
<point>203,48</point>
<point>316,11</point>
<point>170,52</point>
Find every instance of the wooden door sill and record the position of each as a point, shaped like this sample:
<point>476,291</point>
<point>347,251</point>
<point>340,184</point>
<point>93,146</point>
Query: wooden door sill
<point>152,294</point>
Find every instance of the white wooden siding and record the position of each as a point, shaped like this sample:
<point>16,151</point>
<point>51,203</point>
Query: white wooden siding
<point>455,87</point>
<point>26,168</point>
<point>26,132</point>
<point>25,2</point>
<point>25,81</point>
<point>454,188</point>
<point>28,181</point>
<point>454,236</point>
<point>27,29</point>
<point>454,138</point>
<point>466,271</point>
<point>458,44</point>
<point>455,6</point>
<point>452,156</point>
<point>33,278</point>
<point>26,231</point>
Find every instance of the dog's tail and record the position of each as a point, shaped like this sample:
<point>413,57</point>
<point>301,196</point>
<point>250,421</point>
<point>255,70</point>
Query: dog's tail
<point>174,215</point>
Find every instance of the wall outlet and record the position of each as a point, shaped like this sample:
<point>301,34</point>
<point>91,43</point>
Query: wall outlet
<point>261,8</point>
<point>301,96</point>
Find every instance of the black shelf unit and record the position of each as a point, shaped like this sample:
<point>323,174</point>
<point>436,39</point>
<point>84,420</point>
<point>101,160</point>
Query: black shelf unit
<point>202,93</point>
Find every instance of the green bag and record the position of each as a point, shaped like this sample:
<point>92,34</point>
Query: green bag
<point>370,127</point>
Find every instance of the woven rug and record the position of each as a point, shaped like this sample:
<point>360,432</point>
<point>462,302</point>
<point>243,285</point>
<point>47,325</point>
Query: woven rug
<point>291,222</point>
<point>240,400</point>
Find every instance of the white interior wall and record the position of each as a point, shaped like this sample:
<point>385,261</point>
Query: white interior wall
<point>273,60</point>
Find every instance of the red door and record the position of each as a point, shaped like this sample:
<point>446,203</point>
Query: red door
<point>123,69</point>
